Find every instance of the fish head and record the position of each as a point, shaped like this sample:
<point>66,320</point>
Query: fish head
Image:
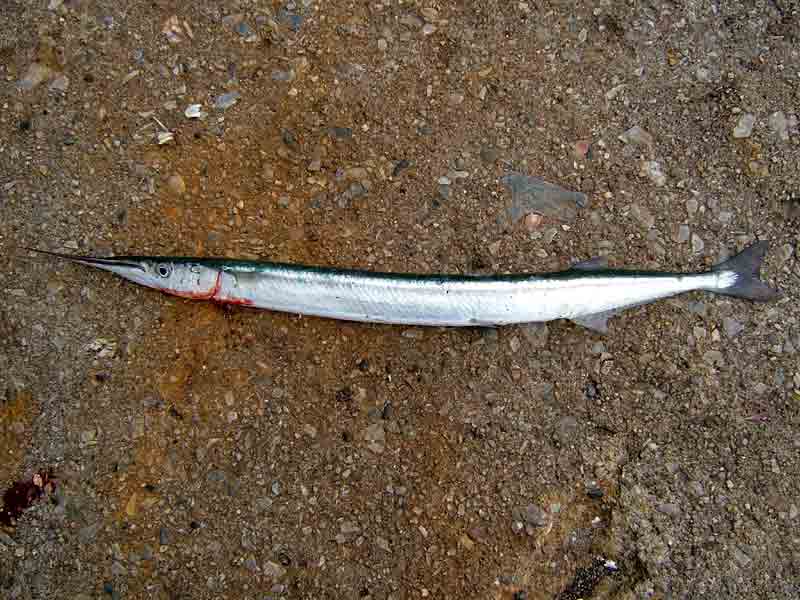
<point>189,278</point>
<point>179,277</point>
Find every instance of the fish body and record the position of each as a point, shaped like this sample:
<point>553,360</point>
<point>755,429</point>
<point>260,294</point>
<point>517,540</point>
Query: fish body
<point>587,293</point>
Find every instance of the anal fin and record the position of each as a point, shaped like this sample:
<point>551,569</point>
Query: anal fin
<point>597,322</point>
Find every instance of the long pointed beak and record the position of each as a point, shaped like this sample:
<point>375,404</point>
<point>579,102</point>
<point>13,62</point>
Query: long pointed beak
<point>107,264</point>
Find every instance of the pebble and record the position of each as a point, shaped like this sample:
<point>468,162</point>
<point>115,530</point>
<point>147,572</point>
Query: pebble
<point>273,570</point>
<point>227,100</point>
<point>683,234</point>
<point>176,184</point>
<point>6,540</point>
<point>60,84</point>
<point>534,195</point>
<point>655,172</point>
<point>637,137</point>
<point>697,244</point>
<point>443,180</point>
<point>643,215</point>
<point>375,436</point>
<point>565,430</point>
<point>383,544</point>
<point>744,128</point>
<point>428,29</point>
<point>732,327</point>
<point>535,516</point>
<point>779,125</point>
<point>163,536</point>
<point>194,111</point>
<point>713,357</point>
<point>691,206</point>
<point>673,510</point>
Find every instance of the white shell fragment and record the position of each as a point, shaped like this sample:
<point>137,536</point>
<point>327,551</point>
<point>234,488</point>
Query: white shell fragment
<point>195,111</point>
<point>164,137</point>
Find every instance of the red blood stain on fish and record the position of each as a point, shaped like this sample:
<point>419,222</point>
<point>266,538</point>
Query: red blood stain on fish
<point>21,495</point>
<point>212,294</point>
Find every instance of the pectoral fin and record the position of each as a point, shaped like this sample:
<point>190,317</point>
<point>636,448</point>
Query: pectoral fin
<point>597,322</point>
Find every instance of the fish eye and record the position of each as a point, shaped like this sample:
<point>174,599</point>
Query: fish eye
<point>164,270</point>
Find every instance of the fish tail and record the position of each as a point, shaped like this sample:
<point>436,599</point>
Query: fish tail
<point>739,275</point>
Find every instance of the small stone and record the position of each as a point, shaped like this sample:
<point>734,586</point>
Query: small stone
<point>163,536</point>
<point>276,488</point>
<point>382,45</point>
<point>273,570</point>
<point>194,111</point>
<point>744,128</point>
<point>673,510</point>
<point>655,172</point>
<point>176,184</point>
<point>375,436</point>
<point>489,155</point>
<point>227,100</point>
<point>565,431</point>
<point>713,358</point>
<point>683,234</point>
<point>532,221</point>
<point>443,180</point>
<point>534,195</point>
<point>535,516</point>
<point>691,206</point>
<point>514,344</point>
<point>315,165</point>
<point>349,527</point>
<point>643,215</point>
<point>697,244</point>
<point>428,29</point>
<point>779,126</point>
<point>697,308</point>
<point>517,527</point>
<point>383,544</point>
<point>637,137</point>
<point>60,84</point>
<point>703,74</point>
<point>581,148</point>
<point>732,327</point>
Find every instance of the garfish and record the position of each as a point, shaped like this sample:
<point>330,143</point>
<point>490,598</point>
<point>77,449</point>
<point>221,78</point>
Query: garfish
<point>588,293</point>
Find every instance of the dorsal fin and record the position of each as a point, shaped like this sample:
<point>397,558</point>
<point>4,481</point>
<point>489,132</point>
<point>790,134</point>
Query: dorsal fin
<point>597,322</point>
<point>598,263</point>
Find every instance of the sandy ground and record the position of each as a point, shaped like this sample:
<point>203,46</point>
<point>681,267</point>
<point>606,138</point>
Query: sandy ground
<point>188,450</point>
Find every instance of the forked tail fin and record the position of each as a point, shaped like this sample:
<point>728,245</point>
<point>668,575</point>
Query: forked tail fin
<point>744,269</point>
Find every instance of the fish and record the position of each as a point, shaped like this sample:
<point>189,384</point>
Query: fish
<point>588,293</point>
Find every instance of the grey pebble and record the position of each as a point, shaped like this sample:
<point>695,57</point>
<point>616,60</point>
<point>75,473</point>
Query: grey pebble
<point>732,327</point>
<point>744,128</point>
<point>226,100</point>
<point>163,536</point>
<point>779,126</point>
<point>643,215</point>
<point>683,234</point>
<point>698,245</point>
<point>534,195</point>
<point>276,488</point>
<point>637,136</point>
<point>673,510</point>
<point>565,430</point>
<point>697,308</point>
